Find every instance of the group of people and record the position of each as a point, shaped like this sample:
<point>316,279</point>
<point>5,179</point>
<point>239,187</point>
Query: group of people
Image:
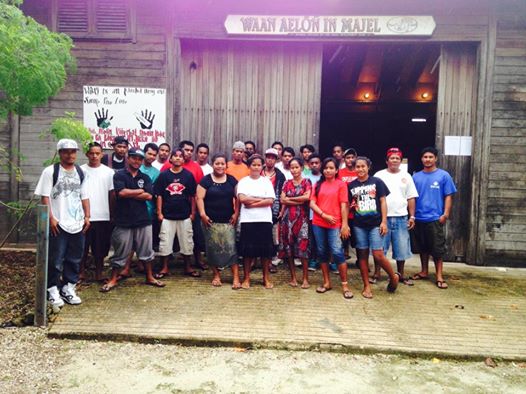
<point>274,206</point>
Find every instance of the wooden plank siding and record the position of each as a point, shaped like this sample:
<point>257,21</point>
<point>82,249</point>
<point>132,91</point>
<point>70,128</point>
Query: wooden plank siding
<point>456,109</point>
<point>506,212</point>
<point>109,62</point>
<point>259,91</point>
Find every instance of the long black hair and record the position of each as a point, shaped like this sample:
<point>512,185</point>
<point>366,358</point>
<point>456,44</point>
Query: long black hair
<point>322,178</point>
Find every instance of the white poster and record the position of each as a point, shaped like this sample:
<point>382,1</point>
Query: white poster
<point>457,146</point>
<point>139,114</point>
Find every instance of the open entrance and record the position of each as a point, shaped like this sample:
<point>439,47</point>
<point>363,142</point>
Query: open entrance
<point>375,96</point>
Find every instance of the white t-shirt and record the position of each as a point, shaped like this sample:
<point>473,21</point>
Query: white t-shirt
<point>64,198</point>
<point>262,188</point>
<point>157,164</point>
<point>207,169</point>
<point>99,182</point>
<point>285,172</point>
<point>402,188</point>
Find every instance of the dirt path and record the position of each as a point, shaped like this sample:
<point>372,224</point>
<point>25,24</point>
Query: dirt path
<point>32,363</point>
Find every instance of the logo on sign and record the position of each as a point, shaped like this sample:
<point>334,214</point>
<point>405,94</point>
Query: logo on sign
<point>402,24</point>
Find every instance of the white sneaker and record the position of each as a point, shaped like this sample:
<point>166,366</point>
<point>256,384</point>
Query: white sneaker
<point>69,294</point>
<point>297,262</point>
<point>54,298</point>
<point>276,261</point>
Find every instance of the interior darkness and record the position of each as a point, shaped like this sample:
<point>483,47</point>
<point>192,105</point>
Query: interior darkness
<point>371,93</point>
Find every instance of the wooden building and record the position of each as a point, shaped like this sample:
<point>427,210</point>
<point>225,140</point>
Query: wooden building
<point>286,78</point>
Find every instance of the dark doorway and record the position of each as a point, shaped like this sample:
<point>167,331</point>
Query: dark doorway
<point>375,96</point>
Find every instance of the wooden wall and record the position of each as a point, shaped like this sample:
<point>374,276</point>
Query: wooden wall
<point>506,187</point>
<point>456,109</point>
<point>112,63</point>
<point>259,91</point>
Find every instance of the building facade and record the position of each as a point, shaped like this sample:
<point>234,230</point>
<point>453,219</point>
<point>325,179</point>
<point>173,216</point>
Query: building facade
<point>317,72</point>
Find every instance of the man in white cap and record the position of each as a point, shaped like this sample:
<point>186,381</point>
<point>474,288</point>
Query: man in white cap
<point>62,188</point>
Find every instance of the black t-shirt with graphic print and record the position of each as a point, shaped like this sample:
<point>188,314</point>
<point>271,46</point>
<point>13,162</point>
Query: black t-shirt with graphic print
<point>176,191</point>
<point>365,197</point>
<point>129,212</point>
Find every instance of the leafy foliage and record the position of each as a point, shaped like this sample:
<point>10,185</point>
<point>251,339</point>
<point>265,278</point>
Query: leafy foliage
<point>34,61</point>
<point>68,127</point>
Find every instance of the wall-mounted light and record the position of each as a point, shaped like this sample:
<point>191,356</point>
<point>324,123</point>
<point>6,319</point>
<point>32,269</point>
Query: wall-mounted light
<point>366,95</point>
<point>419,120</point>
<point>425,95</point>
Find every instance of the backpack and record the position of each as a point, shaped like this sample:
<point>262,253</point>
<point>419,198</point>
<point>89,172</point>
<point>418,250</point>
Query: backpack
<point>56,167</point>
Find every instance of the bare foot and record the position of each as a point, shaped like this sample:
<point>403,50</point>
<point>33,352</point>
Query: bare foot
<point>216,282</point>
<point>236,286</point>
<point>293,283</point>
<point>108,286</point>
<point>305,285</point>
<point>367,293</point>
<point>269,285</point>
<point>245,284</point>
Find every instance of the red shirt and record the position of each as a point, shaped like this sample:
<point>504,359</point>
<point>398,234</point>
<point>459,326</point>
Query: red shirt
<point>329,200</point>
<point>195,169</point>
<point>191,166</point>
<point>347,175</point>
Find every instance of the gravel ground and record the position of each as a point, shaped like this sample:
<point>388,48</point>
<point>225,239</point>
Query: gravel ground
<point>32,363</point>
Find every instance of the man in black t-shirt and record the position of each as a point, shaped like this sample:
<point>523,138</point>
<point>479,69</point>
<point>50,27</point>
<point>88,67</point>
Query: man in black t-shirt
<point>133,225</point>
<point>175,191</point>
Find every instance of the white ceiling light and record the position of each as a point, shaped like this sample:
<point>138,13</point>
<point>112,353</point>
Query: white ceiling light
<point>419,120</point>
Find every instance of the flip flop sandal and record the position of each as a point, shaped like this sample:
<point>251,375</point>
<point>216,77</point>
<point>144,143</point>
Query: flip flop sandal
<point>155,284</point>
<point>193,274</point>
<point>441,284</point>
<point>407,281</point>
<point>323,289</point>
<point>419,277</point>
<point>348,295</point>
<point>373,280</point>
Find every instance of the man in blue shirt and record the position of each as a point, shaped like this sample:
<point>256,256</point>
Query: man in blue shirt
<point>435,198</point>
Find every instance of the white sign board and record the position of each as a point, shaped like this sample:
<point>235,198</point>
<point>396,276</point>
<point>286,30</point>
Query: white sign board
<point>457,146</point>
<point>139,114</point>
<point>282,25</point>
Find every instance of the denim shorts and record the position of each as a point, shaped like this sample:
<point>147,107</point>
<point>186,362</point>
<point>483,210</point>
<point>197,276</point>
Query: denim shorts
<point>328,242</point>
<point>398,236</point>
<point>368,238</point>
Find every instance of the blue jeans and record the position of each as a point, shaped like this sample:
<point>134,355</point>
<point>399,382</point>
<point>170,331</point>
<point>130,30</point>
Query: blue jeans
<point>64,255</point>
<point>368,238</point>
<point>398,236</point>
<point>328,242</point>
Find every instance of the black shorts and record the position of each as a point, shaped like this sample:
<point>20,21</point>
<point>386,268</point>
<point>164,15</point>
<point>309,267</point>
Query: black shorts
<point>429,238</point>
<point>98,239</point>
<point>256,240</point>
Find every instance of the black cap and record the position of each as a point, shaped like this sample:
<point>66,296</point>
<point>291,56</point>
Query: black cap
<point>136,152</point>
<point>120,140</point>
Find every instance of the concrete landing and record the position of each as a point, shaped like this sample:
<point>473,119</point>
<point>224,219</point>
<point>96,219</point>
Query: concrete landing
<point>482,314</point>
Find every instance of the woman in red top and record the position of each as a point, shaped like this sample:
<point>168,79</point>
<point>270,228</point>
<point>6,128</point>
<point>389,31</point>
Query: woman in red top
<point>329,203</point>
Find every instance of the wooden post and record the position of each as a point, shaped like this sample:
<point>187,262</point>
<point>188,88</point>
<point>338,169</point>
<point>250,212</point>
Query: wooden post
<point>41,266</point>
